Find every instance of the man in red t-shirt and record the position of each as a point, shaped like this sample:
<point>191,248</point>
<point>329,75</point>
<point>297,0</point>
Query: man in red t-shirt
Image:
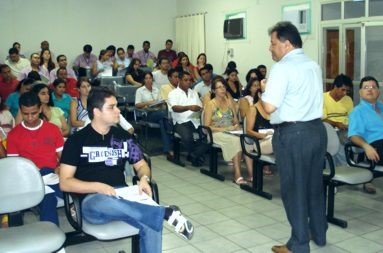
<point>8,82</point>
<point>42,143</point>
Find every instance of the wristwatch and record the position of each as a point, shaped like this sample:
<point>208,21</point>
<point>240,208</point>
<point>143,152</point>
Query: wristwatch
<point>146,178</point>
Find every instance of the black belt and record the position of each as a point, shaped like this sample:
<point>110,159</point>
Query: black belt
<point>289,123</point>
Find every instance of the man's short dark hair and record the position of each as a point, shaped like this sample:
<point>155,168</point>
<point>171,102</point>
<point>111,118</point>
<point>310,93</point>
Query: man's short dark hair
<point>59,56</point>
<point>183,73</point>
<point>96,99</point>
<point>3,66</point>
<point>168,40</point>
<point>13,50</point>
<point>111,47</point>
<point>15,43</point>
<point>58,81</point>
<point>203,68</point>
<point>130,47</point>
<point>366,79</point>
<point>120,48</point>
<point>145,42</point>
<point>29,99</point>
<point>261,66</point>
<point>341,80</point>
<point>162,59</point>
<point>87,48</point>
<point>172,71</point>
<point>285,30</point>
<point>209,67</point>
<point>34,75</point>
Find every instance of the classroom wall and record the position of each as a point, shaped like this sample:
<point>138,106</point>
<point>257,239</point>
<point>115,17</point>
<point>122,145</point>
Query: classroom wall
<point>69,24</point>
<point>252,51</point>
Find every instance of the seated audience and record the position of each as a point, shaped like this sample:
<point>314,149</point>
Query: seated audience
<point>160,76</point>
<point>42,143</point>
<point>262,68</point>
<point>257,118</point>
<point>134,75</point>
<point>249,93</point>
<point>62,63</point>
<point>171,85</point>
<point>175,61</point>
<point>12,102</point>
<point>185,108</point>
<point>130,52</point>
<point>230,66</point>
<point>16,62</point>
<point>146,96</point>
<point>48,112</point>
<point>8,82</point>
<point>7,122</point>
<point>34,66</point>
<point>103,66</point>
<point>70,87</point>
<point>168,52</point>
<point>46,60</point>
<point>18,47</point>
<point>337,104</point>
<point>186,66</point>
<point>147,58</point>
<point>220,115</point>
<point>365,127</point>
<point>78,113</point>
<point>61,99</point>
<point>234,86</point>
<point>84,61</point>
<point>122,62</point>
<point>204,86</point>
<point>253,73</point>
<point>95,178</point>
<point>112,52</point>
<point>201,61</point>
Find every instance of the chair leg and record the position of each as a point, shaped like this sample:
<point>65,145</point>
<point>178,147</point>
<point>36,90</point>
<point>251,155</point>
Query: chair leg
<point>176,153</point>
<point>213,166</point>
<point>257,186</point>
<point>330,208</point>
<point>136,244</point>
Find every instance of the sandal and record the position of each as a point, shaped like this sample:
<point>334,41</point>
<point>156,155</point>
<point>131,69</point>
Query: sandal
<point>249,180</point>
<point>239,181</point>
<point>267,172</point>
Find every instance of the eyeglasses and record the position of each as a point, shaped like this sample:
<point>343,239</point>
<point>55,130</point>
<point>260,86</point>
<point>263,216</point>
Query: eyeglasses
<point>369,87</point>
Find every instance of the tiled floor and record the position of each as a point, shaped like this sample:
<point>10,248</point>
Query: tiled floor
<point>228,219</point>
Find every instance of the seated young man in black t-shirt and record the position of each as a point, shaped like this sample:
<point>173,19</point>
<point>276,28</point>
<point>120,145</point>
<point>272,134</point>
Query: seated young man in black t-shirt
<point>92,163</point>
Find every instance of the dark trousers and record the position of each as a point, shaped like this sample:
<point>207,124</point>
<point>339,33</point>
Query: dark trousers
<point>157,117</point>
<point>48,205</point>
<point>300,151</point>
<point>194,148</point>
<point>378,145</point>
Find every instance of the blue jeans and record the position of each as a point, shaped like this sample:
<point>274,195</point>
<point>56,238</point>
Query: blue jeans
<point>100,209</point>
<point>157,117</point>
<point>48,206</point>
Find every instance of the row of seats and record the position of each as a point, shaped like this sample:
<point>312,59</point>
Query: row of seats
<point>23,188</point>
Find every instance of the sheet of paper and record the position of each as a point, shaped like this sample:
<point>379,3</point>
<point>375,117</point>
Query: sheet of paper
<point>235,132</point>
<point>48,190</point>
<point>131,193</point>
<point>157,103</point>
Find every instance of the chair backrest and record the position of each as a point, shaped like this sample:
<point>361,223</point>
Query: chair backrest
<point>109,81</point>
<point>333,144</point>
<point>127,91</point>
<point>21,185</point>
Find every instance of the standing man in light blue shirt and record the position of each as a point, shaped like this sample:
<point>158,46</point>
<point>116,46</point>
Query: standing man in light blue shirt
<point>293,97</point>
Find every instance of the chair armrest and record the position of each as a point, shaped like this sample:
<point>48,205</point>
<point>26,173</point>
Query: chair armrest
<point>75,222</point>
<point>205,134</point>
<point>331,164</point>
<point>250,140</point>
<point>351,150</point>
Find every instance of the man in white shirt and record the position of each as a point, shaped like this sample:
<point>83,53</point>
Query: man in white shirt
<point>160,77</point>
<point>203,87</point>
<point>185,108</point>
<point>15,62</point>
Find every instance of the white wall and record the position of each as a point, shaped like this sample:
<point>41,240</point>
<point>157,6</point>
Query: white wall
<point>69,24</point>
<point>252,51</point>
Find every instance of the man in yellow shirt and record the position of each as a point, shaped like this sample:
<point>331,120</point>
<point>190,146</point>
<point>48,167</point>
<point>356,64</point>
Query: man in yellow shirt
<point>173,83</point>
<point>337,104</point>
